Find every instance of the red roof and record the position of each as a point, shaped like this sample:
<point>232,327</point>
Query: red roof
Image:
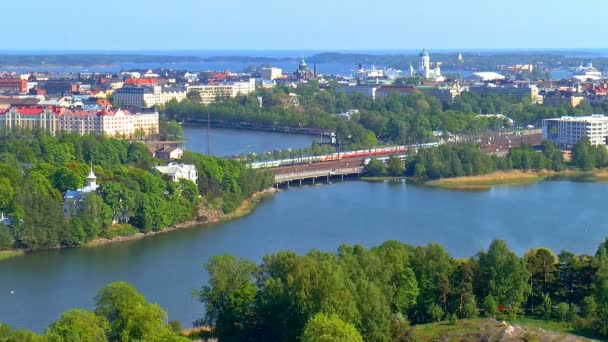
<point>103,102</point>
<point>140,81</point>
<point>30,110</point>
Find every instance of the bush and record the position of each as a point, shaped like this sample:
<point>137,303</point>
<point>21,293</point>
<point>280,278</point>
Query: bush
<point>175,326</point>
<point>490,306</point>
<point>452,318</point>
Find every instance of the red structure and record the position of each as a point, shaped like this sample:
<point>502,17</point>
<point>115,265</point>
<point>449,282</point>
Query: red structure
<point>13,85</point>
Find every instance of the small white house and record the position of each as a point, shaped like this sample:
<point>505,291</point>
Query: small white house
<point>177,171</point>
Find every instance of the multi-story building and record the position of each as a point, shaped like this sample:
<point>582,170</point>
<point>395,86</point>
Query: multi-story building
<point>63,87</point>
<point>518,92</point>
<point>209,93</point>
<point>566,131</point>
<point>13,85</point>
<point>270,74</point>
<point>120,122</point>
<point>129,124</point>
<point>147,97</point>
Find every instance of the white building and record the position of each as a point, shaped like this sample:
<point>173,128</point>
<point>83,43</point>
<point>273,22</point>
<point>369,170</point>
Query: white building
<point>73,199</point>
<point>209,93</point>
<point>566,131</point>
<point>177,171</point>
<point>485,76</point>
<point>111,122</point>
<point>270,74</point>
<point>424,68</point>
<point>146,96</point>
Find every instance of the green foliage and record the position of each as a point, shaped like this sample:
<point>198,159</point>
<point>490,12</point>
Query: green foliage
<point>546,306</point>
<point>129,194</point>
<point>324,328</point>
<point>130,316</point>
<point>407,290</point>
<point>394,166</point>
<point>490,306</point>
<point>6,239</point>
<point>79,325</point>
<point>506,274</point>
<point>171,130</point>
<point>375,167</point>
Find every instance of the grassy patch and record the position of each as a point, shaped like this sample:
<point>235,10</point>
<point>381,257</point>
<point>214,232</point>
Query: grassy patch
<point>484,329</point>
<point>437,331</point>
<point>484,182</point>
<point>122,230</point>
<point>10,254</point>
<point>558,327</point>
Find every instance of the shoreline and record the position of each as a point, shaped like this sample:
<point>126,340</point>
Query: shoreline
<point>247,207</point>
<point>514,178</point>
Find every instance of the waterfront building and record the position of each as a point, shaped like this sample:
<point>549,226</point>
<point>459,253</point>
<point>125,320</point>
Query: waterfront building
<point>566,131</point>
<point>210,93</point>
<point>147,96</point>
<point>271,74</point>
<point>177,171</point>
<point>73,199</point>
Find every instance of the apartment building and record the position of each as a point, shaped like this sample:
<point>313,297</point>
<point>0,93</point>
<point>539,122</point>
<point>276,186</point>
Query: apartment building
<point>123,123</point>
<point>209,93</point>
<point>566,131</point>
<point>147,97</point>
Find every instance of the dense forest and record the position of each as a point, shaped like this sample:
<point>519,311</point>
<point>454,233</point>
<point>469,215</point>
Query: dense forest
<point>395,119</point>
<point>37,169</point>
<point>378,294</point>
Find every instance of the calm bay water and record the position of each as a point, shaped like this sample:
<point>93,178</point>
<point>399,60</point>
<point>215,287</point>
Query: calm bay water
<point>229,142</point>
<point>167,267</point>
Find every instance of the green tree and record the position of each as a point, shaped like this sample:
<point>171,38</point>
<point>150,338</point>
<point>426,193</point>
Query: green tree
<point>582,154</point>
<point>80,325</point>
<point>6,194</point>
<point>506,275</point>
<point>131,318</point>
<point>375,167</point>
<point>324,328</point>
<point>229,298</point>
<point>394,166</point>
<point>407,290</point>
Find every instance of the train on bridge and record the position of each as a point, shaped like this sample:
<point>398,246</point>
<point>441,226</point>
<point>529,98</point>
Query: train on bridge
<point>368,153</point>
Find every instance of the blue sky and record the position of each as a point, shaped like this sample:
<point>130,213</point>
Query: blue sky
<point>303,25</point>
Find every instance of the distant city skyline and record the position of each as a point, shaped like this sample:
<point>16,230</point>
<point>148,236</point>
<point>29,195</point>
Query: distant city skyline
<point>310,25</point>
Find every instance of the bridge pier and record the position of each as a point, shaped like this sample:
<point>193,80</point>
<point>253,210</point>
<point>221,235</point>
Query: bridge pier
<point>343,178</point>
<point>287,184</point>
<point>300,182</point>
<point>313,180</point>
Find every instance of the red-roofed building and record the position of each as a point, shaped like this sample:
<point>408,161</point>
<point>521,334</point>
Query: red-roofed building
<point>141,82</point>
<point>13,85</point>
<point>54,119</point>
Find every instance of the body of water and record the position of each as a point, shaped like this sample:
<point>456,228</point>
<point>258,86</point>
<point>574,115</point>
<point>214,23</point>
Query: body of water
<point>230,142</point>
<point>167,267</point>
